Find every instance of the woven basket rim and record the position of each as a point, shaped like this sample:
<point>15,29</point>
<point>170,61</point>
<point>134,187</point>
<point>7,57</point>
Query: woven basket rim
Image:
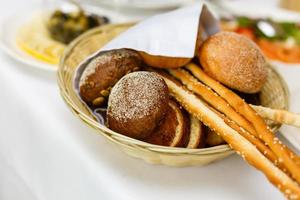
<point>110,134</point>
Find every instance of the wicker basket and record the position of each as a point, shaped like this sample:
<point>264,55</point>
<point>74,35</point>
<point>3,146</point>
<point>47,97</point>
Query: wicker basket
<point>274,94</point>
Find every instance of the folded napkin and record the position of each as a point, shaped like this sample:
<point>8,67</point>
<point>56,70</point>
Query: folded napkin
<point>172,34</point>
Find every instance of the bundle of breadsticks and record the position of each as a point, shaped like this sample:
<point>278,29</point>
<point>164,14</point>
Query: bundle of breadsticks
<point>165,100</point>
<point>202,94</point>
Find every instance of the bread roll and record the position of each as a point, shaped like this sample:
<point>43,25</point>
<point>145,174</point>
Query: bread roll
<point>235,61</point>
<point>173,130</point>
<point>103,71</point>
<point>197,133</point>
<point>137,104</point>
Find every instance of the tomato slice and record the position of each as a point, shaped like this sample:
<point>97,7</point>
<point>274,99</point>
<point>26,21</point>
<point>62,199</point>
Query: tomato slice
<point>248,32</point>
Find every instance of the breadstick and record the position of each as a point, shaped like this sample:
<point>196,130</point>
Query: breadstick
<point>256,142</point>
<point>281,116</point>
<point>242,125</point>
<point>212,98</point>
<point>241,145</point>
<point>284,154</point>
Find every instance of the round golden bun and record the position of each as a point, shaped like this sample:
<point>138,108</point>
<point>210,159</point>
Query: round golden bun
<point>235,61</point>
<point>163,61</point>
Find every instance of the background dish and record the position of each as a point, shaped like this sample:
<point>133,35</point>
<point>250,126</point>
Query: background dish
<point>238,8</point>
<point>144,4</point>
<point>9,27</point>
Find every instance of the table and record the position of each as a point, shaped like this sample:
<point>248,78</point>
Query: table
<point>46,153</point>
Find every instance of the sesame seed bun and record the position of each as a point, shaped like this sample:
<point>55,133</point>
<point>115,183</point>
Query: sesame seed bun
<point>235,61</point>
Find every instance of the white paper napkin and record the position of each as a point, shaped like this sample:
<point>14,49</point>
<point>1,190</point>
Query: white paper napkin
<point>172,34</point>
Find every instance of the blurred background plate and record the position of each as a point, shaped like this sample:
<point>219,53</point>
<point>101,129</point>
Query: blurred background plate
<point>144,4</point>
<point>9,27</point>
<point>249,8</point>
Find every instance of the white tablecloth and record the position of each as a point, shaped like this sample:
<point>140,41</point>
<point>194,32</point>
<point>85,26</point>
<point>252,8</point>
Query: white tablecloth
<point>46,153</point>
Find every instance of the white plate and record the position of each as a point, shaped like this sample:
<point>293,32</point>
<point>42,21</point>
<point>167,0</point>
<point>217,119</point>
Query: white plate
<point>10,25</point>
<point>258,8</point>
<point>8,29</point>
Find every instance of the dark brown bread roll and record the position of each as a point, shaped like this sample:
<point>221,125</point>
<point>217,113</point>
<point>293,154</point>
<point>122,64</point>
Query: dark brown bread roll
<point>197,133</point>
<point>235,61</point>
<point>137,104</point>
<point>173,130</point>
<point>103,71</point>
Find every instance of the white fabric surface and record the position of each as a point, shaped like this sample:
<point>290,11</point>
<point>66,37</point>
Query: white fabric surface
<point>46,153</point>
